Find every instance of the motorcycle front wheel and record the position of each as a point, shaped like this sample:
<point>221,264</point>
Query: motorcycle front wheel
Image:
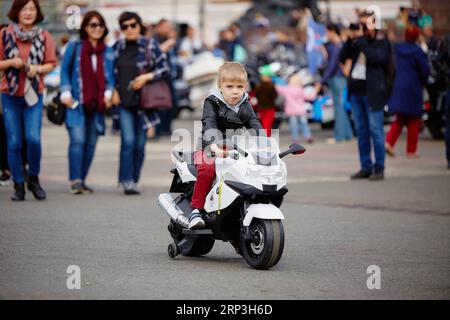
<point>266,245</point>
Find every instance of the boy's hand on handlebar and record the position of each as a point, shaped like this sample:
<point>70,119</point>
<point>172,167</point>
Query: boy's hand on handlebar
<point>219,152</point>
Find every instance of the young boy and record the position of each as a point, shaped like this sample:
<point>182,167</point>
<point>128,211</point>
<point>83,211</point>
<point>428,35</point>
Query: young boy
<point>225,108</point>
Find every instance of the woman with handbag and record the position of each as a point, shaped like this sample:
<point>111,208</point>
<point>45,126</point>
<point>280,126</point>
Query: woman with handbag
<point>27,53</point>
<point>87,85</point>
<point>139,62</point>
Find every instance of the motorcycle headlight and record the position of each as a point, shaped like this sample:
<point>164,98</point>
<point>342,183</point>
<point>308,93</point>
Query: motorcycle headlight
<point>266,175</point>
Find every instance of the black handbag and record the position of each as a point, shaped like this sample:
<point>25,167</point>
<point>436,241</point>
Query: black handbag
<point>56,111</point>
<point>156,94</point>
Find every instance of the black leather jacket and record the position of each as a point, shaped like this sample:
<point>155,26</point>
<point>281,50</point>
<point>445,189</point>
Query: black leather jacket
<point>217,118</point>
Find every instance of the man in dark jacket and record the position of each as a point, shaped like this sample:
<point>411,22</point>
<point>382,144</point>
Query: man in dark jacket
<point>370,79</point>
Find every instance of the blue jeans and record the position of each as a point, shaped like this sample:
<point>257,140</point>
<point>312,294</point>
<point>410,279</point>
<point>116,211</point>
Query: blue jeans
<point>297,124</point>
<point>342,128</point>
<point>22,119</point>
<point>83,140</point>
<point>132,148</point>
<point>369,127</point>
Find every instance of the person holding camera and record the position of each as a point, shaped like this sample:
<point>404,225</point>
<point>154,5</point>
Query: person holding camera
<point>370,79</point>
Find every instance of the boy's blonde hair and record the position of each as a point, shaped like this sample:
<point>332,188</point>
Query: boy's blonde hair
<point>233,72</point>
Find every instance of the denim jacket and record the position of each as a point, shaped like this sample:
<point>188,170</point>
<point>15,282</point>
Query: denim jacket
<point>71,81</point>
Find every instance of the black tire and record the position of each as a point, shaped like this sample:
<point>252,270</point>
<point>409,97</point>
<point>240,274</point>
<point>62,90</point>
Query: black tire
<point>200,247</point>
<point>173,250</point>
<point>266,248</point>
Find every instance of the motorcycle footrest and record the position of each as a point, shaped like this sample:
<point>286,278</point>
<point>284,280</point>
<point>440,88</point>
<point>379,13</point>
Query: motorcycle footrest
<point>197,231</point>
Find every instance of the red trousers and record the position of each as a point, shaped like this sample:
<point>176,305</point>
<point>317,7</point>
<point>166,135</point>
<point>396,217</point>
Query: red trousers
<point>267,117</point>
<point>206,173</point>
<point>413,124</point>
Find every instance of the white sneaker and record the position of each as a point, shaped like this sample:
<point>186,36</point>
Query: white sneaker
<point>195,220</point>
<point>130,188</point>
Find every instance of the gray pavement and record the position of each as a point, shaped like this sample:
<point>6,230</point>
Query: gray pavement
<point>335,229</point>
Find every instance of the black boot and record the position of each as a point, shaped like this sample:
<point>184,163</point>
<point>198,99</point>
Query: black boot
<point>19,192</point>
<point>35,188</point>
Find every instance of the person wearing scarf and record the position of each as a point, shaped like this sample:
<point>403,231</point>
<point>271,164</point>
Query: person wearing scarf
<point>93,80</point>
<point>27,53</point>
<point>86,85</point>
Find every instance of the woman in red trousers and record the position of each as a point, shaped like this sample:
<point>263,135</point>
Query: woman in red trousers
<point>406,101</point>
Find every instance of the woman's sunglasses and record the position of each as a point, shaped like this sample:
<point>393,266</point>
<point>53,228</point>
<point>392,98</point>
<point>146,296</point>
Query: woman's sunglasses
<point>95,25</point>
<point>128,25</point>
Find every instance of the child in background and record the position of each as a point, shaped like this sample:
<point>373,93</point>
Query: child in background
<point>294,107</point>
<point>266,95</point>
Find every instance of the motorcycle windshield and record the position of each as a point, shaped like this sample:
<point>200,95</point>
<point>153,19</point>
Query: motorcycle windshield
<point>264,150</point>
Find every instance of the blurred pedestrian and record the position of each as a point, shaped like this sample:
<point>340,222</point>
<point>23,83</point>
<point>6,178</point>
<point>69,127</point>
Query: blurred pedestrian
<point>138,60</point>
<point>165,35</point>
<point>64,41</point>
<point>236,29</point>
<point>227,43</point>
<point>435,85</point>
<point>266,95</point>
<point>189,44</point>
<point>87,85</point>
<point>336,81</point>
<point>443,67</point>
<point>27,53</point>
<point>294,107</point>
<point>412,73</point>
<point>370,75</point>
<point>5,175</point>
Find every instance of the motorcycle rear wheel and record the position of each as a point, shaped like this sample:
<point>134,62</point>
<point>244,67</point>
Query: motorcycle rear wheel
<point>200,247</point>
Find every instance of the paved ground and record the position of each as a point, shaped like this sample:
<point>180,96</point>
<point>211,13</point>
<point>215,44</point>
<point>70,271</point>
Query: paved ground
<point>335,229</point>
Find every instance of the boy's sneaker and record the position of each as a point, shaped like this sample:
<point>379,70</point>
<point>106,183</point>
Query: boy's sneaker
<point>130,188</point>
<point>195,220</point>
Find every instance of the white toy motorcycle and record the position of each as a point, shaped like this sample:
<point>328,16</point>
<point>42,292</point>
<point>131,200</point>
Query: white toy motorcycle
<point>242,207</point>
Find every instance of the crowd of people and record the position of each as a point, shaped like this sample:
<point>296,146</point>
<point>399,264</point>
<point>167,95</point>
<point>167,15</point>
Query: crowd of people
<point>359,65</point>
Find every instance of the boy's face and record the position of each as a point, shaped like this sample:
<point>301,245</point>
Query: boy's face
<point>232,91</point>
